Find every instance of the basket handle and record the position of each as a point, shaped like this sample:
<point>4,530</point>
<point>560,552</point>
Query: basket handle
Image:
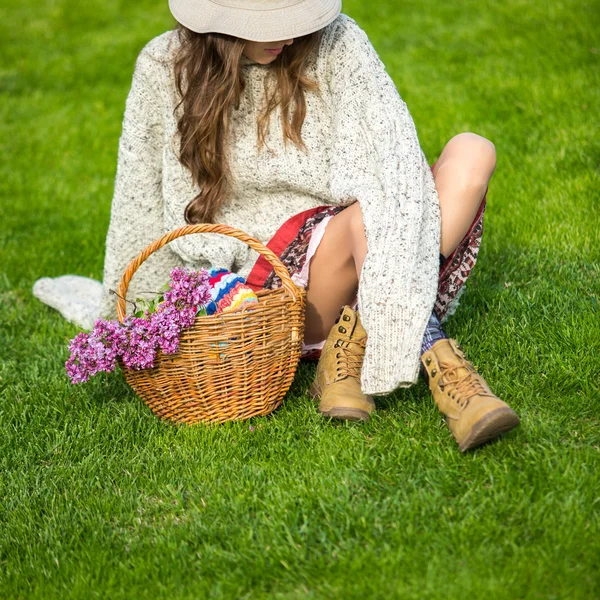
<point>269,255</point>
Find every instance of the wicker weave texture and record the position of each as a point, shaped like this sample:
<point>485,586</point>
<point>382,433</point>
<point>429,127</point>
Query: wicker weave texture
<point>229,366</point>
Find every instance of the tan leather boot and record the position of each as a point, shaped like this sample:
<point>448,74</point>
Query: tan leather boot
<point>337,382</point>
<point>474,414</point>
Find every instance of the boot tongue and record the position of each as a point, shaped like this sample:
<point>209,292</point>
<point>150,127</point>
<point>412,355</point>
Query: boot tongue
<point>446,355</point>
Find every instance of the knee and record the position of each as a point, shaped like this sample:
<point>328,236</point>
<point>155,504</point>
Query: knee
<point>356,223</point>
<point>345,234</point>
<point>476,155</point>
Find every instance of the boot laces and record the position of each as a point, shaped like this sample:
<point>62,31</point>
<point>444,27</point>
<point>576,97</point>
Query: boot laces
<point>349,359</point>
<point>468,385</point>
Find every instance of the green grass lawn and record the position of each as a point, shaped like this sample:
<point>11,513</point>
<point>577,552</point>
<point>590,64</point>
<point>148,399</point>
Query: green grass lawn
<point>100,499</point>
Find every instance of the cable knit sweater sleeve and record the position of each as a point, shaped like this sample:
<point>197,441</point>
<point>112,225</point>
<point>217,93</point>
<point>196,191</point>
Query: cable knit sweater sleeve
<point>377,159</point>
<point>136,217</point>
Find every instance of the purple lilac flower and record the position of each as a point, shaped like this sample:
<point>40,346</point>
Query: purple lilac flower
<point>96,351</point>
<point>166,325</point>
<point>139,351</point>
<point>138,339</point>
<point>189,288</point>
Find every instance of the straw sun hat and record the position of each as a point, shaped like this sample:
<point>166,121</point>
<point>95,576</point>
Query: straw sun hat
<point>256,20</point>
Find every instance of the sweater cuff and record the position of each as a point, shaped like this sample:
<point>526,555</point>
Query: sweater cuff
<point>397,335</point>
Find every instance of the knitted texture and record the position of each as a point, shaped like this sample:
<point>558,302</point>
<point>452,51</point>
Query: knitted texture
<point>228,291</point>
<point>361,145</point>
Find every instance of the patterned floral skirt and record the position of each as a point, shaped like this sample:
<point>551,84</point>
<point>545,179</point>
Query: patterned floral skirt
<point>296,241</point>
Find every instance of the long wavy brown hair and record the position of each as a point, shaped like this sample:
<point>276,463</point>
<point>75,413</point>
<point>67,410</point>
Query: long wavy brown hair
<point>210,80</point>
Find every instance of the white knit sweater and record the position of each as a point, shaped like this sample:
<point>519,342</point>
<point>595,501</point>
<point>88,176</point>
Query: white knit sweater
<point>362,144</point>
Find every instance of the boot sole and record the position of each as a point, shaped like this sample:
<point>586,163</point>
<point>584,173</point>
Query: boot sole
<point>490,427</point>
<point>346,414</point>
<point>340,413</point>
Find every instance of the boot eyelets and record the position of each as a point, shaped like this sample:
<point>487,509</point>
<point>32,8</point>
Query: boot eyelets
<point>433,372</point>
<point>345,318</point>
<point>341,330</point>
<point>428,360</point>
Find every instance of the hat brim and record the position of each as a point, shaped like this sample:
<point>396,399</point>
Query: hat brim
<point>278,24</point>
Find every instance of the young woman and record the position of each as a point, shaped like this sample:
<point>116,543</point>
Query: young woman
<point>277,117</point>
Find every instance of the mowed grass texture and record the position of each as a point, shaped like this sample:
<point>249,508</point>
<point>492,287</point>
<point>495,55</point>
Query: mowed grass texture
<point>100,499</point>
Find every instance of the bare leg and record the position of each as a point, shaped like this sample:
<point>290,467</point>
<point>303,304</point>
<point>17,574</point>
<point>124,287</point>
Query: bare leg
<point>461,176</point>
<point>334,272</point>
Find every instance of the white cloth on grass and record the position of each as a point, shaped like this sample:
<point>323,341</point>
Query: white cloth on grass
<point>76,298</point>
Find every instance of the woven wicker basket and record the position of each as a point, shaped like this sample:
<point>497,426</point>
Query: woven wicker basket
<point>229,365</point>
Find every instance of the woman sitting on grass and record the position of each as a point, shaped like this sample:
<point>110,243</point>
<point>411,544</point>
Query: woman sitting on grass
<point>277,117</point>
